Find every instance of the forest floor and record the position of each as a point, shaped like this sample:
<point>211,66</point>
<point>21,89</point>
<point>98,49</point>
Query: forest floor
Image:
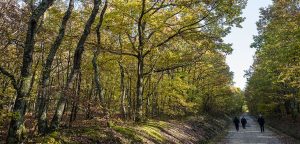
<point>251,134</point>
<point>198,129</point>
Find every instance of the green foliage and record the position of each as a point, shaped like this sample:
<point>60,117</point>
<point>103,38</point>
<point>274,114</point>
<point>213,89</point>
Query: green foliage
<point>273,80</point>
<point>175,89</point>
<point>179,43</point>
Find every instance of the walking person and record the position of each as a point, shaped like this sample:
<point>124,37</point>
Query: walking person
<point>244,122</point>
<point>236,122</point>
<point>261,122</point>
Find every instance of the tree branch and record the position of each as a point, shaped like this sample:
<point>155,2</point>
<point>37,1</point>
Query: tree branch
<point>186,27</point>
<point>9,75</point>
<point>131,42</point>
<point>152,7</point>
<point>118,52</point>
<point>141,27</point>
<point>178,65</point>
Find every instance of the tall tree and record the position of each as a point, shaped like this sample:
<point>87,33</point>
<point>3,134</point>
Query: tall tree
<point>44,82</point>
<point>76,66</point>
<point>23,85</point>
<point>98,46</point>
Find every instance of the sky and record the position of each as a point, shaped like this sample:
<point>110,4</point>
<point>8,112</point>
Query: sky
<point>241,38</point>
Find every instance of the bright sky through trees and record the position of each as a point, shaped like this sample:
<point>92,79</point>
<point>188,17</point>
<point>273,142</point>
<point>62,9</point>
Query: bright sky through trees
<point>242,56</point>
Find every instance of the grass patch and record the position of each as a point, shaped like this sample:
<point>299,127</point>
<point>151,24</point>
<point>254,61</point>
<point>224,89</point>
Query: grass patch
<point>128,133</point>
<point>53,138</point>
<point>153,132</point>
<point>94,134</point>
<point>77,135</point>
<point>158,124</point>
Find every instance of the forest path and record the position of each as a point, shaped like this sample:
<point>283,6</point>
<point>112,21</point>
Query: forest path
<point>250,135</point>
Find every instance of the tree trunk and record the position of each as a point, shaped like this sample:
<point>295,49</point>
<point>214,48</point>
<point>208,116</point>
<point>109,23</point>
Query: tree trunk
<point>88,114</point>
<point>155,96</point>
<point>123,91</point>
<point>139,89</point>
<point>75,100</point>
<point>76,66</point>
<point>96,54</point>
<point>30,104</point>
<point>129,97</point>
<point>42,114</point>
<point>140,64</point>
<point>16,123</point>
<point>148,96</point>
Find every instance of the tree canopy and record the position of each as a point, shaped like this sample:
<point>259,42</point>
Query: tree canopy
<point>273,79</point>
<point>135,59</point>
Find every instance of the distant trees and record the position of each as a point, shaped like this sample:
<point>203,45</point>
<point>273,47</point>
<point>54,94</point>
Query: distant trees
<point>140,59</point>
<point>273,79</point>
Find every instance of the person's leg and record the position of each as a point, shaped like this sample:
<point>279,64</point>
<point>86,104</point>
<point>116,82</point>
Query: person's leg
<point>260,128</point>
<point>263,128</point>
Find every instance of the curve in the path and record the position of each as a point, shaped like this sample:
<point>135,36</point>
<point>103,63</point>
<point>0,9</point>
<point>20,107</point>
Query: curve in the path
<point>250,135</point>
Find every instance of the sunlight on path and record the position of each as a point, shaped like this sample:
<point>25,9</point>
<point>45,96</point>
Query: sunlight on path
<point>250,135</point>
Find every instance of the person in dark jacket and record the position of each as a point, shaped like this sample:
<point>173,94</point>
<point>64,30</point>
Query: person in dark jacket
<point>244,122</point>
<point>261,122</point>
<point>236,122</point>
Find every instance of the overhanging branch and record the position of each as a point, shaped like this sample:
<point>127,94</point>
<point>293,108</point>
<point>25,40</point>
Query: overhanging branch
<point>10,76</point>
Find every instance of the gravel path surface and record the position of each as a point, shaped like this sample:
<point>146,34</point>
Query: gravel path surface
<point>250,135</point>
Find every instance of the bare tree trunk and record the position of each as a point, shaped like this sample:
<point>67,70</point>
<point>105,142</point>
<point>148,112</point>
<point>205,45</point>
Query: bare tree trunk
<point>72,100</point>
<point>139,89</point>
<point>96,54</point>
<point>76,66</point>
<point>88,109</point>
<point>129,97</point>
<point>16,124</point>
<point>42,113</point>
<point>30,104</point>
<point>140,65</point>
<point>38,98</point>
<point>75,100</point>
<point>148,96</point>
<point>123,91</point>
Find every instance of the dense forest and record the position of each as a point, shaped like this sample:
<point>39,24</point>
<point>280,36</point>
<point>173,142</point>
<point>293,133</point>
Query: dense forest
<point>67,61</point>
<point>273,79</point>
<point>273,86</point>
